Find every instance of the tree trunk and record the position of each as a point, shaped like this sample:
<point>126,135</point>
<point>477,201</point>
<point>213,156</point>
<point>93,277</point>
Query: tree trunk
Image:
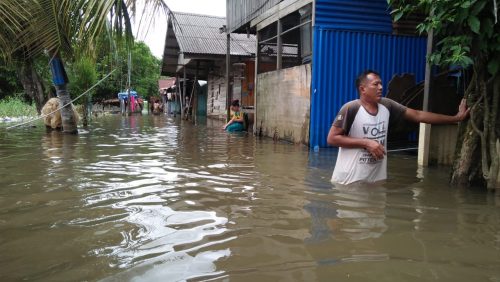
<point>67,116</point>
<point>477,155</point>
<point>32,84</point>
<point>60,80</point>
<point>494,138</point>
<point>85,119</point>
<point>466,171</point>
<point>494,176</point>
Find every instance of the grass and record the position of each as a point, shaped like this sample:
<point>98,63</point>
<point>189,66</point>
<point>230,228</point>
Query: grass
<point>15,107</point>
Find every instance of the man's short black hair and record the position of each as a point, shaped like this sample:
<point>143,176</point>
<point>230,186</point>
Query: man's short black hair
<point>362,76</point>
<point>235,103</point>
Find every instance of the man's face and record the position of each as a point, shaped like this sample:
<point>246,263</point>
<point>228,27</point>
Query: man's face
<point>371,88</point>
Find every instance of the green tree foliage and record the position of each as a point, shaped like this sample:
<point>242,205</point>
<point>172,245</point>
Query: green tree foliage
<point>468,29</point>
<point>468,35</point>
<point>9,82</point>
<point>82,76</point>
<point>145,72</point>
<point>11,79</point>
<point>29,29</point>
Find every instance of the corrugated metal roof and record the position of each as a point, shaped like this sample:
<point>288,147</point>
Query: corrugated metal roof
<point>166,83</point>
<point>199,34</point>
<point>241,12</point>
<point>354,15</point>
<point>340,55</point>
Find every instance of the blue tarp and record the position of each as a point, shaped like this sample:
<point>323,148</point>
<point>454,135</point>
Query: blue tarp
<point>124,95</point>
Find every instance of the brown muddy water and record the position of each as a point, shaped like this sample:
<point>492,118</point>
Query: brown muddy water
<point>152,199</point>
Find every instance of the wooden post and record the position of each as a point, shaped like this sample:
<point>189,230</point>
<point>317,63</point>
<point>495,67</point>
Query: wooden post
<point>279,59</point>
<point>424,136</point>
<point>195,93</point>
<point>129,75</point>
<point>129,100</point>
<point>183,95</point>
<point>178,90</point>
<point>257,54</point>
<point>228,65</point>
<point>122,107</point>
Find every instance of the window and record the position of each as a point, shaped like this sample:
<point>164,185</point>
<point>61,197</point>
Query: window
<point>287,42</point>
<point>268,48</point>
<point>306,33</point>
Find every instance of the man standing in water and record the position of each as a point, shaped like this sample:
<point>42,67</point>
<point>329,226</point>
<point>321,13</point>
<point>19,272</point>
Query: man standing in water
<point>360,130</point>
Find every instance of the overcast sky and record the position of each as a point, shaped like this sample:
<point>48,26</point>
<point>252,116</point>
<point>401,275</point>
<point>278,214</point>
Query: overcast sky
<point>155,38</point>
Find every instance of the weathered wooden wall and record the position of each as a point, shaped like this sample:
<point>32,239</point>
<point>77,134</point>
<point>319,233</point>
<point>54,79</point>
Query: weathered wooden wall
<point>216,98</point>
<point>442,144</point>
<point>283,103</point>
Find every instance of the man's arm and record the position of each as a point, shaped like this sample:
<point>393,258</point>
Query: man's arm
<point>336,137</point>
<point>432,118</point>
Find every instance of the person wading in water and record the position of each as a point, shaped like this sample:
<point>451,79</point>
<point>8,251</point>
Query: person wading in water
<point>360,130</point>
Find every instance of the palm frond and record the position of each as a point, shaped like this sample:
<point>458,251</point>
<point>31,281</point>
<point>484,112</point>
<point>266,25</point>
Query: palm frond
<point>152,8</point>
<point>38,26</point>
<point>12,16</point>
<point>50,27</point>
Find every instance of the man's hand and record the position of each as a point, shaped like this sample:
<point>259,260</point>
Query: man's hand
<point>463,112</point>
<point>375,148</point>
<point>337,138</point>
<point>432,118</point>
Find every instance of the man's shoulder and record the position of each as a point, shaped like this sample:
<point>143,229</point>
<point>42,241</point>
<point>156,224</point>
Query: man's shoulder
<point>346,115</point>
<point>392,106</point>
<point>350,108</point>
<point>353,103</point>
<point>388,102</point>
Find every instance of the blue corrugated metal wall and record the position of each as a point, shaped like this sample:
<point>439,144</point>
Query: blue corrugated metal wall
<point>349,37</point>
<point>340,55</point>
<point>358,15</point>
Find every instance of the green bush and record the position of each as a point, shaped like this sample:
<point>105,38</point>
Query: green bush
<point>16,107</point>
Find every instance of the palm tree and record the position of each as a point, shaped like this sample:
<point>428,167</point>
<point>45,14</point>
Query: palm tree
<point>53,27</point>
<point>12,15</point>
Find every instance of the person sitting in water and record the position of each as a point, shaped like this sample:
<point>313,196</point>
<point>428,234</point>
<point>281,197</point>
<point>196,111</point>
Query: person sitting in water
<point>156,107</point>
<point>236,121</point>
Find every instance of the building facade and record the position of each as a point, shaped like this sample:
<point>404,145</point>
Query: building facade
<point>195,49</point>
<point>309,53</point>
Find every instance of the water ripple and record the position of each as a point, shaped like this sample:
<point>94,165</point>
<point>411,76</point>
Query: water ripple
<point>155,199</point>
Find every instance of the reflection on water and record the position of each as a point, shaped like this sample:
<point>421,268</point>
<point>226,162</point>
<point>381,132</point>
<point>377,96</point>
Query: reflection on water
<point>152,199</point>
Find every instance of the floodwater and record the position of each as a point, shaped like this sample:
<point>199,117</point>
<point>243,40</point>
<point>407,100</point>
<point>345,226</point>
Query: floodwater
<point>153,199</point>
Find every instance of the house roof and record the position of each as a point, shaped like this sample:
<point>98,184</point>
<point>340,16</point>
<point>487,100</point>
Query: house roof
<point>166,83</point>
<point>199,34</point>
<point>194,41</point>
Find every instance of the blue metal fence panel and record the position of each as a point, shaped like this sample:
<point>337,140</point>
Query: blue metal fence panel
<point>354,15</point>
<point>340,55</point>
